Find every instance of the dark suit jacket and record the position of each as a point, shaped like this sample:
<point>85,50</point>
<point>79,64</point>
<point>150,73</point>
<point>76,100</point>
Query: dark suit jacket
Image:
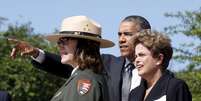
<point>167,88</point>
<point>4,96</point>
<point>113,68</point>
<point>112,71</point>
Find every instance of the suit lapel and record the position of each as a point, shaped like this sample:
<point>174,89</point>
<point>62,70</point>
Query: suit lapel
<point>138,93</point>
<point>160,88</point>
<point>123,61</point>
<point>141,91</point>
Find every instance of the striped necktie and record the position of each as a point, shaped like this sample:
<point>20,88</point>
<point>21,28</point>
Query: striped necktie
<point>126,84</point>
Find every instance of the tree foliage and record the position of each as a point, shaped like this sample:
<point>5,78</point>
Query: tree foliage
<point>189,52</point>
<point>190,26</point>
<point>193,79</point>
<point>19,77</point>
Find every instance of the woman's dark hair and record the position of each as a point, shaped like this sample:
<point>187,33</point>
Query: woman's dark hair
<point>88,55</point>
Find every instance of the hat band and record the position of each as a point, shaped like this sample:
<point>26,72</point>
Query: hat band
<point>80,33</point>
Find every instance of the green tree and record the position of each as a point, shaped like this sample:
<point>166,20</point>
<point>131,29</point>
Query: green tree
<point>189,52</point>
<point>190,26</point>
<point>2,19</point>
<point>193,79</point>
<point>19,77</point>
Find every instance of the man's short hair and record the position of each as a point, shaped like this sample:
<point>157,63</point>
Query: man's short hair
<point>139,20</point>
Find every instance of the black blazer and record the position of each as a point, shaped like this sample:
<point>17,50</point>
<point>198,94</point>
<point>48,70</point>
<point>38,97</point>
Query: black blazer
<point>112,71</point>
<point>166,87</point>
<point>4,96</point>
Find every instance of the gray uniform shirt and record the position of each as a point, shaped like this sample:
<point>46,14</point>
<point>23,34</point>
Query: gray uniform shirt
<point>83,85</point>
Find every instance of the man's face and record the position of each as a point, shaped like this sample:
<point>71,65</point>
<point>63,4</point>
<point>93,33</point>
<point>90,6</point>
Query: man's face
<point>126,31</point>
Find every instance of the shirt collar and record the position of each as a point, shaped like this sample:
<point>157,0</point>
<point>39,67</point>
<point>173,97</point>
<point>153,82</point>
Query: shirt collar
<point>126,62</point>
<point>74,70</point>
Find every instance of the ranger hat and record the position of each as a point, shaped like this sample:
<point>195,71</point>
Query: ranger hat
<point>80,27</point>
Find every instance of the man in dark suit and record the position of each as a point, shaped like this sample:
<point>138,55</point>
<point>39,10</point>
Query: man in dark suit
<point>114,67</point>
<point>4,96</point>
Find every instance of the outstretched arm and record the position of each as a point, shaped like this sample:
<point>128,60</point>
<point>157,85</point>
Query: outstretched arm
<point>50,62</point>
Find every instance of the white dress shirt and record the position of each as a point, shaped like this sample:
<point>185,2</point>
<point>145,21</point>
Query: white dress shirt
<point>136,79</point>
<point>40,58</point>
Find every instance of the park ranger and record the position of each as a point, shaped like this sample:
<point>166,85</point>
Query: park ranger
<point>79,42</point>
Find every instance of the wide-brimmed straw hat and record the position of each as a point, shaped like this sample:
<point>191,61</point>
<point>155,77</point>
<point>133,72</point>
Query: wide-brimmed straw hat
<point>80,27</point>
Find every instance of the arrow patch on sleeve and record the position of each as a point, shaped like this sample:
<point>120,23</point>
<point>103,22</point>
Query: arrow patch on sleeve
<point>83,86</point>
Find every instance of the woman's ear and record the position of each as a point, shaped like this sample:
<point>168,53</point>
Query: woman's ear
<point>160,59</point>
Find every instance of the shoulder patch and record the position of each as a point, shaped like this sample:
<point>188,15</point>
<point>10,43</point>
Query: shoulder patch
<point>83,86</point>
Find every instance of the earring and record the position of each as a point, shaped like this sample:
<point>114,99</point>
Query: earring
<point>158,63</point>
